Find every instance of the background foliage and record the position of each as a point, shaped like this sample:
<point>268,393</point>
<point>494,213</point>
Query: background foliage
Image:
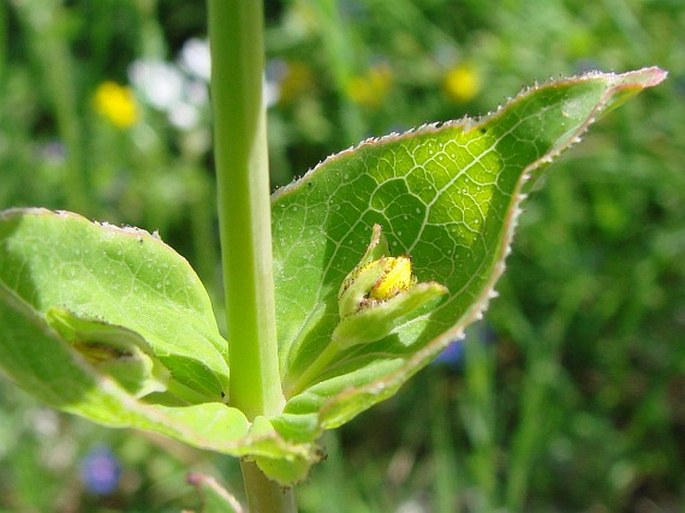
<point>570,396</point>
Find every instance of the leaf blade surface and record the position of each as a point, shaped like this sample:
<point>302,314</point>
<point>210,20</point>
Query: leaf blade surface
<point>446,195</point>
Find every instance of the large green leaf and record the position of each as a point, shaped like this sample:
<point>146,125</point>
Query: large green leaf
<point>447,195</point>
<point>123,276</point>
<point>113,325</point>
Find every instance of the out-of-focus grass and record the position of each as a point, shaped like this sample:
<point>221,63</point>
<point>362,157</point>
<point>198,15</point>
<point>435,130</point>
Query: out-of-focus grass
<point>568,398</point>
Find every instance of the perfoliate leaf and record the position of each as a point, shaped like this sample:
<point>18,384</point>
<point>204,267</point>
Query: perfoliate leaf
<point>445,195</point>
<point>112,325</point>
<point>121,276</point>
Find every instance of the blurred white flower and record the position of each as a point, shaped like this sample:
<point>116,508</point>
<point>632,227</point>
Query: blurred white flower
<point>160,83</point>
<point>184,115</point>
<point>197,93</point>
<point>195,58</point>
<point>411,506</point>
<point>179,89</point>
<point>275,70</point>
<point>272,93</point>
<point>44,421</point>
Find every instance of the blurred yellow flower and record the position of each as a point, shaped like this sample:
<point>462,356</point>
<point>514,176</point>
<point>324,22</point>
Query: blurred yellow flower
<point>297,79</point>
<point>116,103</point>
<point>461,83</point>
<point>371,88</point>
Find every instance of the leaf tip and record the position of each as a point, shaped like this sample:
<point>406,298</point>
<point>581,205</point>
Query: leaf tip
<point>643,78</point>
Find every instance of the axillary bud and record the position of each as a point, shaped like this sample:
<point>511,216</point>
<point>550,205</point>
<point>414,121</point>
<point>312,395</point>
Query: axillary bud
<point>379,293</point>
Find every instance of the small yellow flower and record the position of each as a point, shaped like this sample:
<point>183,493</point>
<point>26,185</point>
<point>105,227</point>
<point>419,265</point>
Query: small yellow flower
<point>296,80</point>
<point>371,88</point>
<point>461,83</point>
<point>116,103</point>
<point>397,277</point>
<point>375,297</point>
<point>374,282</point>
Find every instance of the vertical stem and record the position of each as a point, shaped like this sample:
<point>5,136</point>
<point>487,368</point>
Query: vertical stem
<point>236,40</point>
<point>235,29</point>
<point>58,66</point>
<point>265,496</point>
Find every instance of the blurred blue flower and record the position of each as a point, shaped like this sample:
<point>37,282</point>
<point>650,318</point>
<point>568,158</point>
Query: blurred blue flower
<point>100,471</point>
<point>452,355</point>
<point>353,10</point>
<point>586,65</point>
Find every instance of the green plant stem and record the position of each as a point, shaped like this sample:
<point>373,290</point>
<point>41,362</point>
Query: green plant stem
<point>235,30</point>
<point>236,39</point>
<point>152,43</point>
<point>478,414</point>
<point>264,495</point>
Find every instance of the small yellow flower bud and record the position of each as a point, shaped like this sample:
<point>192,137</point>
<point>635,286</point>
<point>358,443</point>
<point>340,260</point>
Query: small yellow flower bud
<point>396,278</point>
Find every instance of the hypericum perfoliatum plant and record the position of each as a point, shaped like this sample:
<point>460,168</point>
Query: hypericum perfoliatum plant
<point>112,324</point>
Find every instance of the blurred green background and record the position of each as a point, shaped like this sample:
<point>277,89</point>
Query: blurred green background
<point>570,396</point>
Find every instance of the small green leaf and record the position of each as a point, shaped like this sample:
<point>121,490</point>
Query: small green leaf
<point>118,352</point>
<point>378,320</point>
<point>445,195</point>
<point>46,365</point>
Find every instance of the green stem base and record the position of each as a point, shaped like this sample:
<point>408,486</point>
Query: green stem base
<point>264,495</point>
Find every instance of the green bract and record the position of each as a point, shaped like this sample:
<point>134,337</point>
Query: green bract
<point>113,325</point>
<point>377,294</point>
